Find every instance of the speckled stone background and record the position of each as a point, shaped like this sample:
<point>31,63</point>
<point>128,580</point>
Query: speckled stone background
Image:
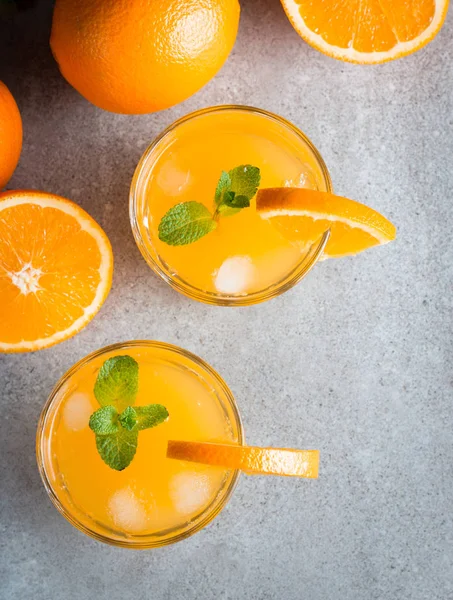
<point>356,361</point>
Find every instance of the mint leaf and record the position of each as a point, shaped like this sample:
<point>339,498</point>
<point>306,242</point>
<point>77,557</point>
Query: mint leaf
<point>185,223</point>
<point>143,417</point>
<point>245,180</point>
<point>150,415</point>
<point>104,421</point>
<point>241,201</point>
<point>232,204</point>
<point>128,418</point>
<point>118,449</point>
<point>228,198</point>
<point>223,185</point>
<point>235,190</point>
<point>233,201</point>
<point>117,382</point>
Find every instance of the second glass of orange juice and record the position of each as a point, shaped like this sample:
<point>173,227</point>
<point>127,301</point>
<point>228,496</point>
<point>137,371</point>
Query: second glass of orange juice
<point>245,260</point>
<point>155,500</point>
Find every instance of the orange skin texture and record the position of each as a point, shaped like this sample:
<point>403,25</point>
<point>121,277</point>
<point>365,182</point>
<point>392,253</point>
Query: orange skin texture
<point>10,135</point>
<point>141,56</point>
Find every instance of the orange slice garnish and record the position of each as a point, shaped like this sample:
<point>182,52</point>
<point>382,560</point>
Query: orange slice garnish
<point>366,31</point>
<point>303,215</point>
<point>56,268</point>
<point>252,460</point>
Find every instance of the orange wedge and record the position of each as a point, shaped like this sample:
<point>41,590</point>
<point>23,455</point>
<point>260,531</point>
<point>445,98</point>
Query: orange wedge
<point>56,268</point>
<point>303,215</point>
<point>366,31</point>
<point>252,460</point>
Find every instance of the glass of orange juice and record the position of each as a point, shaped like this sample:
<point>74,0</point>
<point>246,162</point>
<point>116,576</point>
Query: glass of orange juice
<point>244,260</point>
<point>155,500</point>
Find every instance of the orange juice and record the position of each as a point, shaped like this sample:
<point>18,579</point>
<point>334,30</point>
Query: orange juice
<point>154,500</point>
<point>245,256</point>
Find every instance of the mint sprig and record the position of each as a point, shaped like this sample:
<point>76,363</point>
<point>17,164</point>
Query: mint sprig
<point>116,432</point>
<point>188,222</point>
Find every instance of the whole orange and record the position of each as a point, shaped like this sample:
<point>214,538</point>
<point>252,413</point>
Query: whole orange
<point>10,135</point>
<point>140,56</point>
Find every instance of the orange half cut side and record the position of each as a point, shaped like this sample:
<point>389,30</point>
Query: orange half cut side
<point>366,31</point>
<point>56,267</point>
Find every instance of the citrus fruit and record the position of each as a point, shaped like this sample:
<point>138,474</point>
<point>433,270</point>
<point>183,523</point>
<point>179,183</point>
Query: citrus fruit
<point>366,31</point>
<point>56,268</point>
<point>303,215</point>
<point>10,135</point>
<point>138,57</point>
<point>252,460</point>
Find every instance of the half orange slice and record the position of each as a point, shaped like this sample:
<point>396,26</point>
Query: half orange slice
<point>56,268</point>
<point>367,31</point>
<point>252,460</point>
<point>303,215</point>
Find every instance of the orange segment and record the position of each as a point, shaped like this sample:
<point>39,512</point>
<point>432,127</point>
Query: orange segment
<point>303,215</point>
<point>252,460</point>
<point>56,268</point>
<point>366,31</point>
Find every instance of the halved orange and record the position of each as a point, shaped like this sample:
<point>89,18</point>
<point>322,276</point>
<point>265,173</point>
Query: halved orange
<point>254,461</point>
<point>56,267</point>
<point>367,31</point>
<point>303,215</point>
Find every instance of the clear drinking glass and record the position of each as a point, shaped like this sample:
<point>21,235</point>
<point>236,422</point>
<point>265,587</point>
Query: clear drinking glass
<point>125,508</point>
<point>184,163</point>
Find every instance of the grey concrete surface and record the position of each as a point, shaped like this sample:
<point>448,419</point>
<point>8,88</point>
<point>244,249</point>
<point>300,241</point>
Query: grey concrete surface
<point>356,361</point>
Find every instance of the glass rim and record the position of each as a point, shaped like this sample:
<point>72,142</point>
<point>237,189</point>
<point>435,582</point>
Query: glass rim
<point>185,288</point>
<point>129,543</point>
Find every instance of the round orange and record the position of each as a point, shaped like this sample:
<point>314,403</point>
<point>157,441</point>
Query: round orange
<point>367,31</point>
<point>10,135</point>
<point>141,56</point>
<point>56,267</point>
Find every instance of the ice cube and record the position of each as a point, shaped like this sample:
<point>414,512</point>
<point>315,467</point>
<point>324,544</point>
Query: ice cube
<point>127,512</point>
<point>77,411</point>
<point>307,179</point>
<point>235,275</point>
<point>190,491</point>
<point>172,179</point>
